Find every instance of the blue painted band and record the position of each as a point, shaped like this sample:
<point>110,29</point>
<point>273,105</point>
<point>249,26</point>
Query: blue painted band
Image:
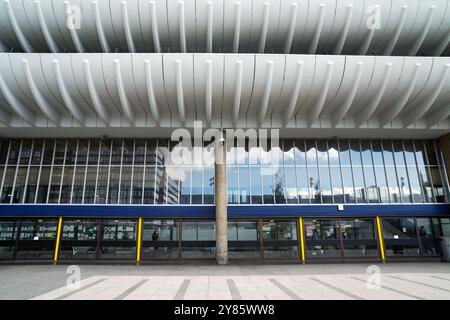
<point>234,211</point>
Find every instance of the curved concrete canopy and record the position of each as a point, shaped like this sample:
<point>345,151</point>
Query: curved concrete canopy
<point>225,90</point>
<point>404,27</point>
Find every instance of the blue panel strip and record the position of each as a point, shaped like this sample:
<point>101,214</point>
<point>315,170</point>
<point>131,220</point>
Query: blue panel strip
<point>234,211</point>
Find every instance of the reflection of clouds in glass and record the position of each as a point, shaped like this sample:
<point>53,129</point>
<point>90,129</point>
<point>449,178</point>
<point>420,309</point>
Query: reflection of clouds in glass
<point>312,155</point>
<point>178,172</point>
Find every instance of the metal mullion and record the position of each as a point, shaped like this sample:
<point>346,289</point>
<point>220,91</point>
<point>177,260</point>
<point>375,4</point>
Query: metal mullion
<point>40,170</point>
<point>422,188</point>
<point>329,171</point>
<point>351,170</point>
<point>120,171</point>
<point>407,173</point>
<point>427,167</point>
<point>50,178</point>
<point>250,191</point>
<point>98,170</point>
<point>63,170</point>
<point>144,171</point>
<point>261,175</point>
<point>273,172</point>
<point>374,172</point>
<point>340,170</point>
<point>17,170</point>
<point>190,185</point>
<point>237,171</point>
<point>296,173</point>
<point>385,172</point>
<point>318,171</point>
<point>28,172</point>
<point>203,179</point>
<point>156,170</point>
<point>363,172</point>
<point>75,167</point>
<point>86,170</point>
<point>109,171</point>
<point>444,176</point>
<point>396,172</point>
<point>6,166</point>
<point>132,172</point>
<point>166,176</point>
<point>307,171</point>
<point>284,171</point>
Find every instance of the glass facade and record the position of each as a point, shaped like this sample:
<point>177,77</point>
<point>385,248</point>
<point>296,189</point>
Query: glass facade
<point>338,171</point>
<point>137,171</point>
<point>106,239</point>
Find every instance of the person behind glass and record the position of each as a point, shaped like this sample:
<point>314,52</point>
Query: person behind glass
<point>424,237</point>
<point>155,237</point>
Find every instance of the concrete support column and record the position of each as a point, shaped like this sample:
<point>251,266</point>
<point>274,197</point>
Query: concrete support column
<point>221,203</point>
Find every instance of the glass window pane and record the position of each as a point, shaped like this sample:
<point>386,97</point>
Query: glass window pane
<point>89,191</point>
<point>43,185</point>
<point>66,190</point>
<point>128,151</point>
<point>256,186</point>
<point>172,185</point>
<point>197,185</point>
<point>400,237</point>
<point>302,184</point>
<point>208,185</point>
<point>149,185</point>
<point>125,185</point>
<point>267,184</point>
<point>114,180</point>
<point>102,185</point>
<point>300,153</point>
<point>185,184</point>
<point>139,151</point>
<point>31,188</point>
<point>369,174</point>
<point>82,152</point>
<point>105,151</point>
<point>279,181</point>
<point>116,156</point>
<point>25,152</point>
<point>428,238</point>
<point>232,185</point>
<point>19,188</point>
<point>71,152</point>
<point>290,184</point>
<point>4,146</point>
<point>94,148</point>
<point>289,152</point>
<point>14,152</point>
<point>78,184</point>
<point>55,184</point>
<point>321,238</point>
<point>244,184</point>
<point>414,178</point>
<point>138,182</point>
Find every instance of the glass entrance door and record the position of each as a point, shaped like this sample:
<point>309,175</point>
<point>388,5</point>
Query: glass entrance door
<point>280,240</point>
<point>8,238</point>
<point>198,239</point>
<point>160,239</point>
<point>243,240</point>
<point>358,238</point>
<point>322,239</point>
<point>37,239</point>
<point>340,238</point>
<point>412,237</point>
<point>79,240</point>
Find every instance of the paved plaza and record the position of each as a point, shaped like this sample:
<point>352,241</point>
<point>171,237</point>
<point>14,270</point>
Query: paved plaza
<point>407,281</point>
